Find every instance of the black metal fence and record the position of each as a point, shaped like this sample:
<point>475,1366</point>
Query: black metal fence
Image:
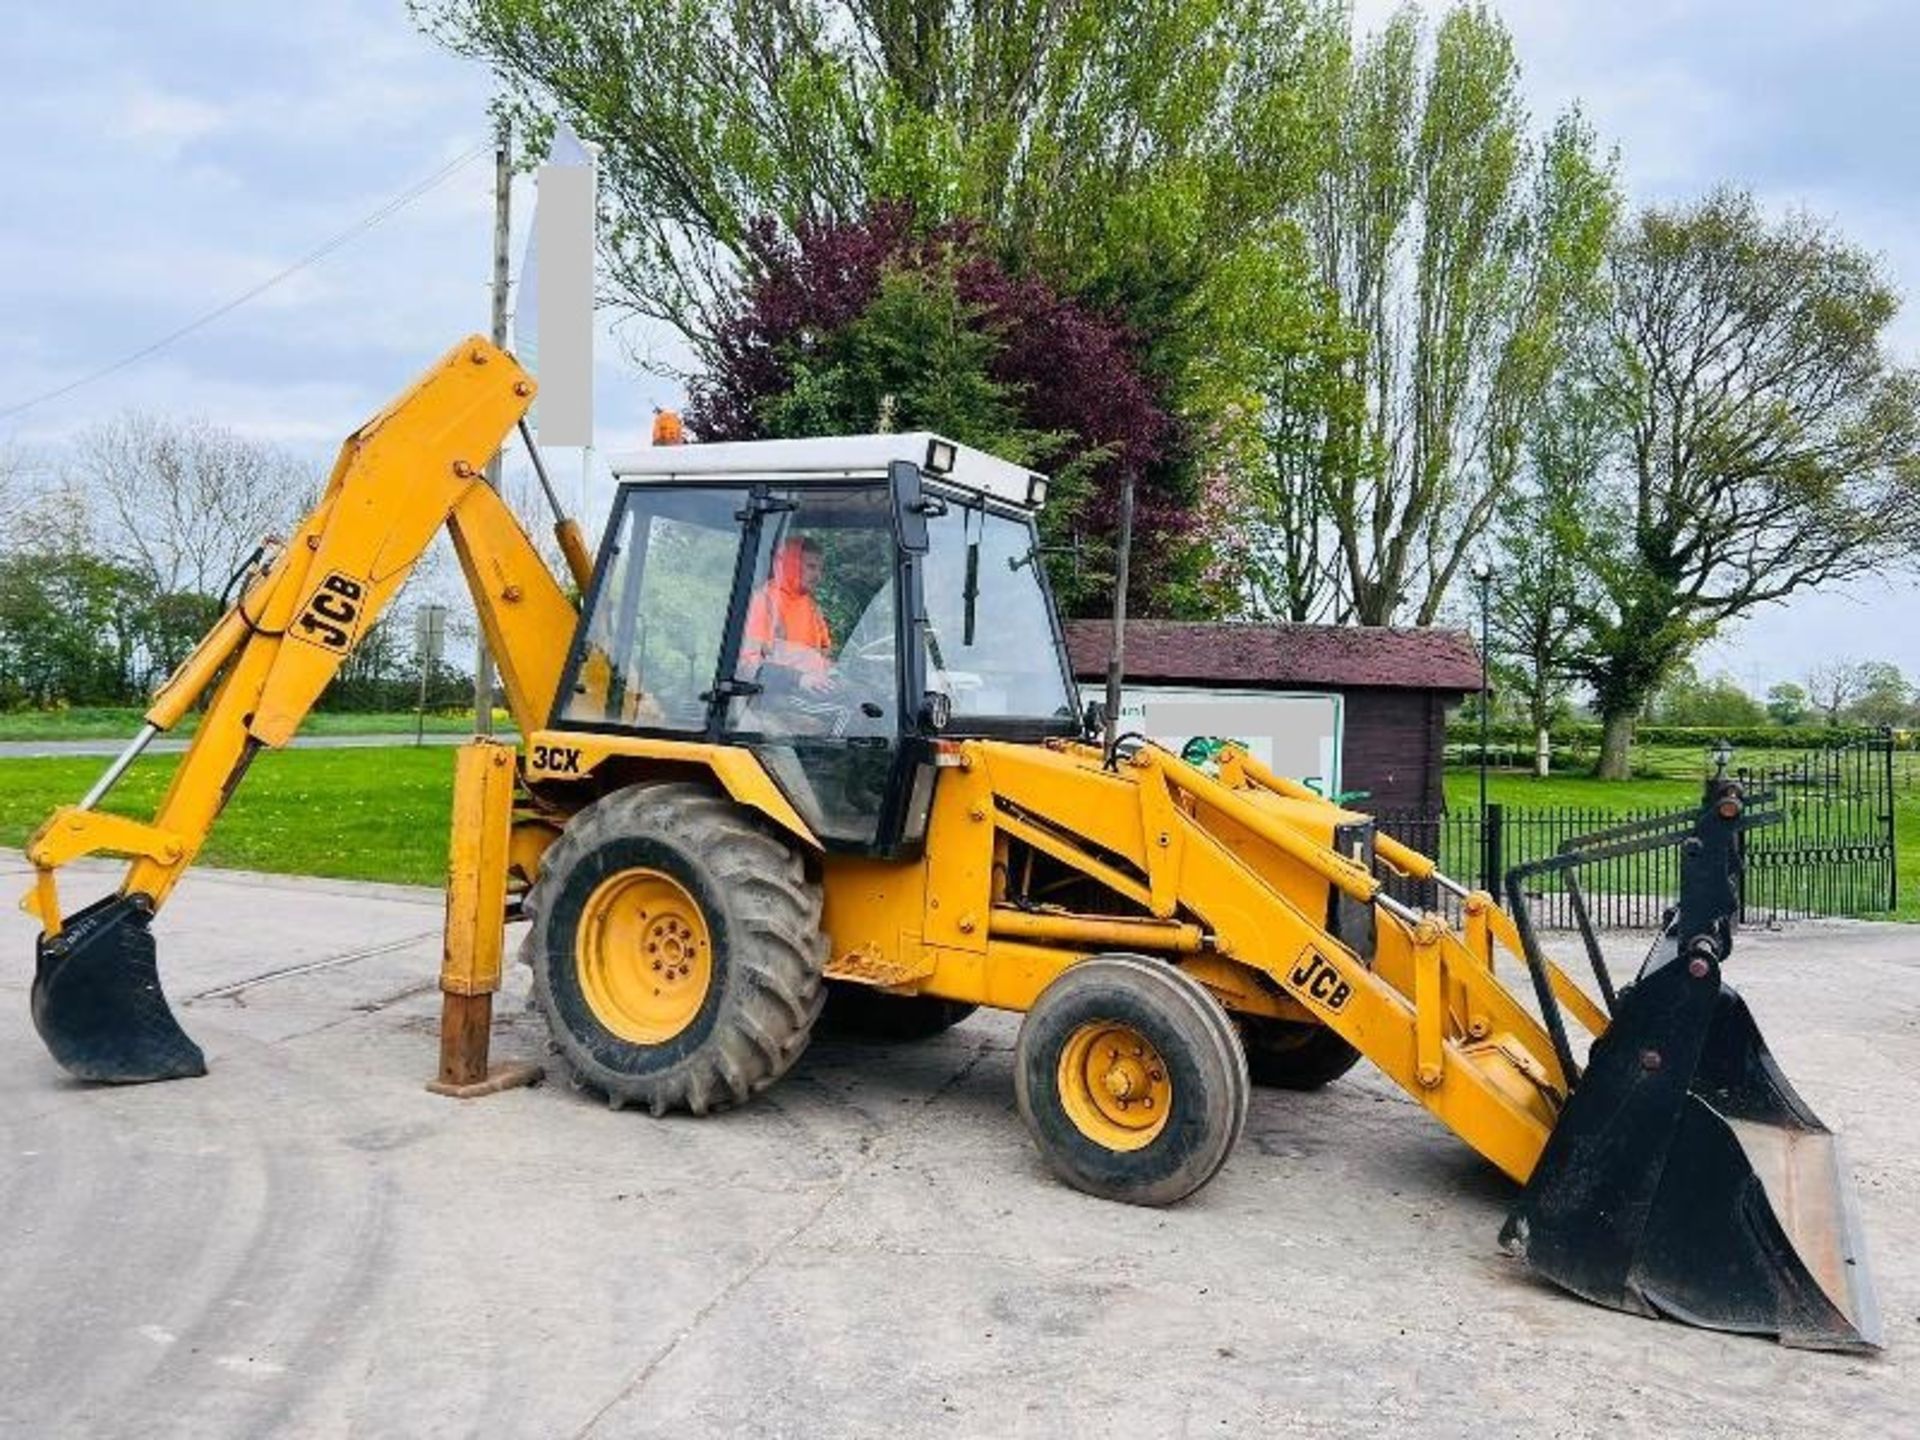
<point>1833,852</point>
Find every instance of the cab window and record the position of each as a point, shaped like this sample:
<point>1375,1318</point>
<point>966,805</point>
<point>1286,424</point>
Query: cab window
<point>653,636</point>
<point>990,639</point>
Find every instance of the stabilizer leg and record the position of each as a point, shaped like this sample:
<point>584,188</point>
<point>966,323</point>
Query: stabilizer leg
<point>476,923</point>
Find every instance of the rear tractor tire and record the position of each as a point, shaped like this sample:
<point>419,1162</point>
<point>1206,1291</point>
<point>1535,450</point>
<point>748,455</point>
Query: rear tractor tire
<point>1294,1054</point>
<point>1132,1080</point>
<point>860,1012</point>
<point>676,949</point>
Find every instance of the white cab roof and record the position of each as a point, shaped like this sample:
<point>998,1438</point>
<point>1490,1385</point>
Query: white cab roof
<point>839,456</point>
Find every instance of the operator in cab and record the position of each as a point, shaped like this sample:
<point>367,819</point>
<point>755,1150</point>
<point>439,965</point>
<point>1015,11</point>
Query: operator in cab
<point>787,642</point>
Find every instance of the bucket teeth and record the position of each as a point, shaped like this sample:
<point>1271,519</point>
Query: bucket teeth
<point>97,1001</point>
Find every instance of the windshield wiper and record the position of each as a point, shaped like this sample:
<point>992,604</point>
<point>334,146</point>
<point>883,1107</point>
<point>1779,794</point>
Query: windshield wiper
<point>970,593</point>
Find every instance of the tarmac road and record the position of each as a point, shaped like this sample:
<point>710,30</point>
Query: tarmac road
<point>174,745</point>
<point>307,1243</point>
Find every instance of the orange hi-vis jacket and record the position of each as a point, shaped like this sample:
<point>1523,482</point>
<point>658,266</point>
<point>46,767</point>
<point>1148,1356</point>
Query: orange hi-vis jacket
<point>784,623</point>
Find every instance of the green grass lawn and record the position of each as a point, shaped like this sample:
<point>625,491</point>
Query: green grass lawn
<point>110,722</point>
<point>1514,789</point>
<point>376,814</point>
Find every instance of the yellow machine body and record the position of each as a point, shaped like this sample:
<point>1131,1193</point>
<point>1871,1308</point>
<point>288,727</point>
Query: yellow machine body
<point>1228,877</point>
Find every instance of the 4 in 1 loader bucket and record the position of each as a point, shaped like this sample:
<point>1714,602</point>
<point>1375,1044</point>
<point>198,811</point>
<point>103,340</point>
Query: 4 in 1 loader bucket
<point>1685,1178</point>
<point>97,1001</point>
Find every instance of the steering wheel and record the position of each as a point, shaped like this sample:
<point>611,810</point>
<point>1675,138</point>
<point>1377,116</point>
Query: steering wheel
<point>864,674</point>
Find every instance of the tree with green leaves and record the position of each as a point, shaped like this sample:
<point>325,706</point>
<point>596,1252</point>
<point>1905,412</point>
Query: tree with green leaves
<point>1126,147</point>
<point>1541,586</point>
<point>1271,524</point>
<point>70,629</point>
<point>1763,440</point>
<point>1787,703</point>
<point>1688,698</point>
<point>1886,698</point>
<point>1145,158</point>
<point>1461,255</point>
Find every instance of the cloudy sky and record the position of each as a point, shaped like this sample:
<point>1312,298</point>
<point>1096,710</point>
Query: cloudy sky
<point>167,158</point>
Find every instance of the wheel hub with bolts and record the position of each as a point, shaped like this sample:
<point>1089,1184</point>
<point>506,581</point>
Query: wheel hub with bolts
<point>1113,1085</point>
<point>645,956</point>
<point>672,947</point>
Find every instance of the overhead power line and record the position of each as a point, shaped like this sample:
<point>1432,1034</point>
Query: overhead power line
<point>319,252</point>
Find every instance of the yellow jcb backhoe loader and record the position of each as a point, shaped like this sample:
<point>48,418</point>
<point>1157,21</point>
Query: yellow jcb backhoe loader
<point>811,738</point>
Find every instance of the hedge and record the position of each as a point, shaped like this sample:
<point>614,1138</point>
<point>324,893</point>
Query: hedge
<point>1586,736</point>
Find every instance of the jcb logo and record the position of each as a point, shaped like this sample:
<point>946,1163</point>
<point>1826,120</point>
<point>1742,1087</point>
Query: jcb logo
<point>332,613</point>
<point>1316,976</point>
<point>557,759</point>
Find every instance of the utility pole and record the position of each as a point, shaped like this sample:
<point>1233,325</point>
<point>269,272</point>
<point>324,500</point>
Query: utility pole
<point>502,232</point>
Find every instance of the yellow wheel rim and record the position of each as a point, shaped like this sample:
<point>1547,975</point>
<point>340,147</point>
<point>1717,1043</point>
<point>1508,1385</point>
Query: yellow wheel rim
<point>644,956</point>
<point>1114,1086</point>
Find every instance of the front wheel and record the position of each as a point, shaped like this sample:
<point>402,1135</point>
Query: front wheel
<point>676,949</point>
<point>1131,1079</point>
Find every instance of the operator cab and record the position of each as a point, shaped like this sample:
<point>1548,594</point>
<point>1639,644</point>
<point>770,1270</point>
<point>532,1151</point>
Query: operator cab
<point>832,605</point>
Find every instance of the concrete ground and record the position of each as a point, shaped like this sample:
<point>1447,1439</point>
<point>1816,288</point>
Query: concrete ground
<point>175,745</point>
<point>308,1243</point>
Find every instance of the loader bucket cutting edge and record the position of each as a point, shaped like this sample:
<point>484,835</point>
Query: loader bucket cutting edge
<point>97,1001</point>
<point>1686,1179</point>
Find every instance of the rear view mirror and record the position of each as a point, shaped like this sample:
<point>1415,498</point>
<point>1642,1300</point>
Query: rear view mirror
<point>911,506</point>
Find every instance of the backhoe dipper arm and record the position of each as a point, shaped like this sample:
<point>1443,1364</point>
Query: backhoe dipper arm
<point>412,468</point>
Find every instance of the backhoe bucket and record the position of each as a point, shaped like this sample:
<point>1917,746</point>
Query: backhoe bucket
<point>1686,1179</point>
<point>97,1001</point>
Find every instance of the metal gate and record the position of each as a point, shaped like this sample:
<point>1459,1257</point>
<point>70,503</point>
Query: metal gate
<point>1831,853</point>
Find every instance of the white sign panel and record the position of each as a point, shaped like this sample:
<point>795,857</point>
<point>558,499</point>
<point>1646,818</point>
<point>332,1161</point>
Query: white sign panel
<point>553,322</point>
<point>1293,733</point>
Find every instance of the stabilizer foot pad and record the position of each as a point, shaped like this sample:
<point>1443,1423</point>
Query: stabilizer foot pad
<point>510,1076</point>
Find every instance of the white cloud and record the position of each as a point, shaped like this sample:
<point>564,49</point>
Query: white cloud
<point>164,124</point>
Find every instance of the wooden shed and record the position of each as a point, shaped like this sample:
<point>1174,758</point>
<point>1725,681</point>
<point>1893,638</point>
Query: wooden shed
<point>1395,686</point>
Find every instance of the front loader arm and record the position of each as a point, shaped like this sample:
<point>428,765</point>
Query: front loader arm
<point>414,467</point>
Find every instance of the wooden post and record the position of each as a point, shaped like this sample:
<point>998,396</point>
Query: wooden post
<point>476,923</point>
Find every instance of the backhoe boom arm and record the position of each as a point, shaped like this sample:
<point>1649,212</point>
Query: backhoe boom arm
<point>417,465</point>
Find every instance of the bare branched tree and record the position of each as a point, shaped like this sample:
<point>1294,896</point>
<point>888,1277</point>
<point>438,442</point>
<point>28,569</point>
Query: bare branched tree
<point>184,502</point>
<point>41,513</point>
<point>1832,686</point>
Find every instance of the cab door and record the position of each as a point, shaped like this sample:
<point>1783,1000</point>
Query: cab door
<point>817,685</point>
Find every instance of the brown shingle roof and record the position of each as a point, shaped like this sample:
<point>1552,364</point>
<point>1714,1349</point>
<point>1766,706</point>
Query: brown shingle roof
<point>1281,656</point>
